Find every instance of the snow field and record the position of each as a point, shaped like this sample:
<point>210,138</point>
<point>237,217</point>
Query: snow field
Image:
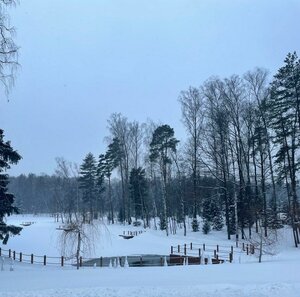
<point>277,276</point>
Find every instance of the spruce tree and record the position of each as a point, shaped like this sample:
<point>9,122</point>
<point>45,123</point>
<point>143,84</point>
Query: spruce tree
<point>284,110</point>
<point>206,227</point>
<point>87,183</point>
<point>8,156</point>
<point>138,191</point>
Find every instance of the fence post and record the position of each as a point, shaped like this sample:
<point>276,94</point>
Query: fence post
<point>185,249</point>
<point>31,259</point>
<point>0,251</point>
<point>215,254</point>
<point>80,261</point>
<point>230,257</point>
<point>45,260</point>
<point>243,246</point>
<point>247,248</point>
<point>101,261</point>
<point>191,247</point>
<point>9,253</point>
<point>161,261</point>
<point>203,246</point>
<point>178,248</point>
<point>14,255</point>
<point>62,261</point>
<point>231,249</point>
<point>141,261</point>
<point>171,249</point>
<point>217,248</point>
<point>20,256</point>
<point>205,261</point>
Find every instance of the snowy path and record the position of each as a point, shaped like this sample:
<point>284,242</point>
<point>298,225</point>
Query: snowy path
<point>253,279</point>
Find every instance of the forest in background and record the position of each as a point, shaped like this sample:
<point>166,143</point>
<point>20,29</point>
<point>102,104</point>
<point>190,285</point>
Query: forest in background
<point>238,168</point>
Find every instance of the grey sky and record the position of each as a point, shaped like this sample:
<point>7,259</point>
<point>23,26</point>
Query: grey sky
<point>83,60</point>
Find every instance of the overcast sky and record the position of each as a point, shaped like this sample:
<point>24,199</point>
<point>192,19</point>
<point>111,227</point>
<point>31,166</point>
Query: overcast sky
<point>83,60</point>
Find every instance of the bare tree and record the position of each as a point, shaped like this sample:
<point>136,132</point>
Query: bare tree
<point>67,193</point>
<point>192,107</point>
<point>8,48</point>
<point>77,238</point>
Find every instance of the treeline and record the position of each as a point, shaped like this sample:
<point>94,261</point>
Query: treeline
<point>238,167</point>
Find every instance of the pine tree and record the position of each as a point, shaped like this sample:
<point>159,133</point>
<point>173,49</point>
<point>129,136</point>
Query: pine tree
<point>8,156</point>
<point>87,183</point>
<point>107,163</point>
<point>163,143</point>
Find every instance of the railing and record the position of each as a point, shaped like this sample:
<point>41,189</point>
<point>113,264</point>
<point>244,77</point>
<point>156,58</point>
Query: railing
<point>36,259</point>
<point>218,253</point>
<point>186,254</point>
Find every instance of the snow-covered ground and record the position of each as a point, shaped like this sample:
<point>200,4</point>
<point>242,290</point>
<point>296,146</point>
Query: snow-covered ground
<point>276,276</point>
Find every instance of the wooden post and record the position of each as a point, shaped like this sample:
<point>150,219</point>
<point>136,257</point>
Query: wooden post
<point>217,248</point>
<point>199,253</point>
<point>31,259</point>
<point>171,249</point>
<point>191,247</point>
<point>80,261</point>
<point>0,251</point>
<point>243,246</point>
<point>205,261</point>
<point>161,261</point>
<point>178,248</point>
<point>20,256</point>
<point>101,261</point>
<point>247,248</point>
<point>14,255</point>
<point>203,246</point>
<point>45,260</point>
<point>9,253</point>
<point>62,261</point>
<point>215,254</point>
<point>230,257</point>
<point>185,249</point>
<point>231,249</point>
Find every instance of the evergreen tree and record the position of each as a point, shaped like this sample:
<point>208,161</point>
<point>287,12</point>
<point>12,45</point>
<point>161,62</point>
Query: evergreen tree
<point>163,143</point>
<point>138,191</point>
<point>87,183</point>
<point>206,227</point>
<point>284,109</point>
<point>107,163</point>
<point>8,156</point>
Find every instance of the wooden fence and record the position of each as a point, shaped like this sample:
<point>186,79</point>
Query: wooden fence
<point>186,254</point>
<point>199,253</point>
